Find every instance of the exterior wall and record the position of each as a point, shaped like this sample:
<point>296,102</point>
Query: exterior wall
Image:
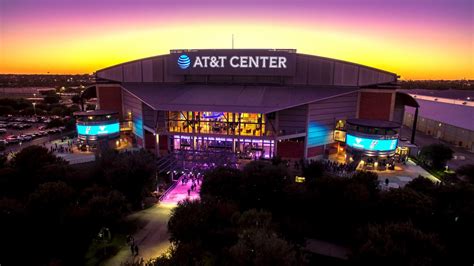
<point>163,140</point>
<point>376,105</point>
<point>322,116</point>
<point>315,151</point>
<point>133,106</point>
<point>150,141</point>
<point>290,149</point>
<point>149,116</point>
<point>398,113</point>
<point>449,133</point>
<point>110,98</point>
<point>292,121</point>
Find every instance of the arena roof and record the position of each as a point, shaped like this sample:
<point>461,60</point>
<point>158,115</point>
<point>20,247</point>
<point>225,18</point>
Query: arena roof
<point>449,94</point>
<point>300,69</point>
<point>229,98</point>
<point>373,123</point>
<point>95,112</point>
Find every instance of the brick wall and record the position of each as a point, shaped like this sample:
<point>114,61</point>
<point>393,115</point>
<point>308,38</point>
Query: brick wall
<point>290,149</point>
<point>110,98</point>
<point>375,105</point>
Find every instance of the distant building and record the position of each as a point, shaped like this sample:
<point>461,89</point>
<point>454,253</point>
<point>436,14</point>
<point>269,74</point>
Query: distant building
<point>449,119</point>
<point>24,92</point>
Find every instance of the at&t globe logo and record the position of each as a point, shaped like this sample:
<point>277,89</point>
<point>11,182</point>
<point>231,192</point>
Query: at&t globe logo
<point>183,61</point>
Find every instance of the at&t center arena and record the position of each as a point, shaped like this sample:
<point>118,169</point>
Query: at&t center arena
<point>254,103</point>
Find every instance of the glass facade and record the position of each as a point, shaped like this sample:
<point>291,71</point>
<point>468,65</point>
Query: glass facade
<point>221,123</point>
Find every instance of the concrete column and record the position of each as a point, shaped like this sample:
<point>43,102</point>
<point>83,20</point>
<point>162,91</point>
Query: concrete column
<point>413,127</point>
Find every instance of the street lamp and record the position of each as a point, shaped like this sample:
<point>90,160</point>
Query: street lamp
<point>34,108</point>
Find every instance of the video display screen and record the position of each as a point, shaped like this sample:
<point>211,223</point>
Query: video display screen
<point>371,144</point>
<point>98,129</point>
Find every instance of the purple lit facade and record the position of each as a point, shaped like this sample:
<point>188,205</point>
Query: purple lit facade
<point>256,103</point>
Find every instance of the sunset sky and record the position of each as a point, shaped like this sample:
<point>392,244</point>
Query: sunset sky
<point>417,39</point>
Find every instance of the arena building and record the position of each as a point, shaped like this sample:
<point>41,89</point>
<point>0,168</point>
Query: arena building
<point>253,102</point>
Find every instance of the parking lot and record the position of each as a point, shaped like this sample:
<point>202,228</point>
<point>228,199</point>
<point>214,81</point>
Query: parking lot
<point>461,155</point>
<point>19,132</point>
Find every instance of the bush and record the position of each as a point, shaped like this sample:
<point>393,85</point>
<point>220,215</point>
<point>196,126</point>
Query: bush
<point>436,155</point>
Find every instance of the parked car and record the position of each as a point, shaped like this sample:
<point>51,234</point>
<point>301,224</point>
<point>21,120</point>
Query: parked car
<point>12,139</point>
<point>26,137</point>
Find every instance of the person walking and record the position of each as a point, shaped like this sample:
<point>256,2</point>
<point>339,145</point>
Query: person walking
<point>136,250</point>
<point>132,248</point>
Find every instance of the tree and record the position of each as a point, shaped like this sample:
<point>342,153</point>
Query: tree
<point>129,173</point>
<point>50,200</point>
<point>188,222</point>
<point>58,110</point>
<point>397,244</point>
<point>6,110</point>
<point>222,182</point>
<point>76,99</point>
<point>35,157</point>
<point>369,180</point>
<point>422,184</point>
<point>258,244</point>
<point>55,123</point>
<point>52,98</point>
<point>107,209</point>
<point>405,204</point>
<point>436,155</point>
<point>467,172</point>
<point>313,170</point>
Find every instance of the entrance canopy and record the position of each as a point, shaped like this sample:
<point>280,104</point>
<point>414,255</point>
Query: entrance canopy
<point>229,98</point>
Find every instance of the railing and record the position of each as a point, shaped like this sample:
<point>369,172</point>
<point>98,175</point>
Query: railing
<point>175,183</point>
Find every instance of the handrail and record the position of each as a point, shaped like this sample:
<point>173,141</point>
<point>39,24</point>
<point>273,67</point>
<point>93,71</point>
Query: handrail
<point>170,188</point>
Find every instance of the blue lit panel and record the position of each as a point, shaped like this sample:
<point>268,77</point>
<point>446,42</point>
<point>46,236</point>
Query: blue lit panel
<point>94,130</point>
<point>371,144</point>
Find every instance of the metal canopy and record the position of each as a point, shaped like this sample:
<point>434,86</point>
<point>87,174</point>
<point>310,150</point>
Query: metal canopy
<point>229,98</point>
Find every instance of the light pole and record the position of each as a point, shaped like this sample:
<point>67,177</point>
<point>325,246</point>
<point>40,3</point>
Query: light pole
<point>34,108</point>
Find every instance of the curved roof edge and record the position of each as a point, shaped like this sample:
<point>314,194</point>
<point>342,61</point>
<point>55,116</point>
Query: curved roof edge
<point>306,70</point>
<point>407,99</point>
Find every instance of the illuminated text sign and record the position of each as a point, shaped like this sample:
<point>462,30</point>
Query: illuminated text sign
<point>233,62</point>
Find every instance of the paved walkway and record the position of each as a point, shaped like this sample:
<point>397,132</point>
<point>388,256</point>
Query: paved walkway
<point>403,174</point>
<point>152,235</point>
<point>74,157</point>
<point>180,192</point>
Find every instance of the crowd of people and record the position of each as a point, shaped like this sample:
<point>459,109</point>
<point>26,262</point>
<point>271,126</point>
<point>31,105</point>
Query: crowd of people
<point>339,169</point>
<point>196,180</point>
<point>63,147</point>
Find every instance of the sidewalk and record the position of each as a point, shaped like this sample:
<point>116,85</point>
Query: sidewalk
<point>75,157</point>
<point>152,237</point>
<point>180,192</point>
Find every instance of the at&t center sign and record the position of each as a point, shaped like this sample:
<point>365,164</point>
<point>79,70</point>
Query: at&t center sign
<point>233,62</point>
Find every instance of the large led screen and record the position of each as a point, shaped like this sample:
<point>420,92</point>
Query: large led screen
<point>98,129</point>
<point>371,144</point>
